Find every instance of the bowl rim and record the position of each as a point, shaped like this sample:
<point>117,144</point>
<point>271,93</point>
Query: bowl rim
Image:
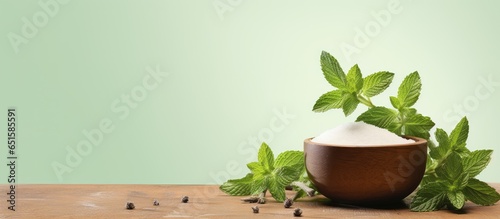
<point>418,141</point>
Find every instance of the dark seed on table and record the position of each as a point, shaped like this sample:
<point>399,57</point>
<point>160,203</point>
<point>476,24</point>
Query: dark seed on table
<point>288,203</point>
<point>156,202</point>
<point>130,206</point>
<point>185,199</point>
<point>255,209</point>
<point>297,212</point>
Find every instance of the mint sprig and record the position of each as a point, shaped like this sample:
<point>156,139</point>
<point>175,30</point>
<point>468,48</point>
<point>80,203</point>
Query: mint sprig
<point>353,89</point>
<point>449,179</point>
<point>403,119</point>
<point>454,185</point>
<point>269,174</point>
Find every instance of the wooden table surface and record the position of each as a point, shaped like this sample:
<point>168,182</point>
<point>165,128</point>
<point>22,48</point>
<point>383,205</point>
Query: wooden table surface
<point>108,201</point>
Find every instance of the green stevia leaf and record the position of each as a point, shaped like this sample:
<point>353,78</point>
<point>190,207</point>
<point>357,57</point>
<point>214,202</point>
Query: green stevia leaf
<point>409,90</point>
<point>430,197</point>
<point>477,161</point>
<point>350,104</point>
<point>379,116</point>
<point>332,71</point>
<point>257,169</point>
<point>442,138</point>
<point>285,175</point>
<point>395,102</point>
<point>438,152</point>
<point>260,184</point>
<point>444,144</point>
<point>331,100</point>
<point>354,79</point>
<point>431,144</point>
<point>417,125</point>
<point>462,151</point>
<point>281,178</point>
<point>480,193</point>
<point>376,83</point>
<point>238,187</point>
<point>458,136</point>
<point>428,179</point>
<point>277,191</point>
<point>266,157</point>
<point>457,199</point>
<point>461,181</point>
<point>451,168</point>
<point>289,158</point>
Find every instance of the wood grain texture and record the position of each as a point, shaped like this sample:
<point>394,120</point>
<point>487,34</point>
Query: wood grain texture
<point>108,201</point>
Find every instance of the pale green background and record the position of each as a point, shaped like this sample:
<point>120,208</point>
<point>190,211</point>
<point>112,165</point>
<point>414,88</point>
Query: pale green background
<point>227,77</point>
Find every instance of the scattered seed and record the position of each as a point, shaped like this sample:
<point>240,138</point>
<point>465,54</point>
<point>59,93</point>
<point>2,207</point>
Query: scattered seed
<point>297,212</point>
<point>255,209</point>
<point>156,202</point>
<point>185,199</point>
<point>130,206</point>
<point>288,203</point>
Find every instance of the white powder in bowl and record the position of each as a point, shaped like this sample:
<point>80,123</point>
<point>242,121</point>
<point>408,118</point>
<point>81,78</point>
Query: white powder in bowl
<point>360,134</point>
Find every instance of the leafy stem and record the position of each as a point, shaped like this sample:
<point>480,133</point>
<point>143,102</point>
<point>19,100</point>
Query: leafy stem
<point>268,174</point>
<point>366,101</point>
<point>352,89</point>
<point>302,185</point>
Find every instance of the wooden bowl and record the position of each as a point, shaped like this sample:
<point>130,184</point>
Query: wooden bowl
<point>366,174</point>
